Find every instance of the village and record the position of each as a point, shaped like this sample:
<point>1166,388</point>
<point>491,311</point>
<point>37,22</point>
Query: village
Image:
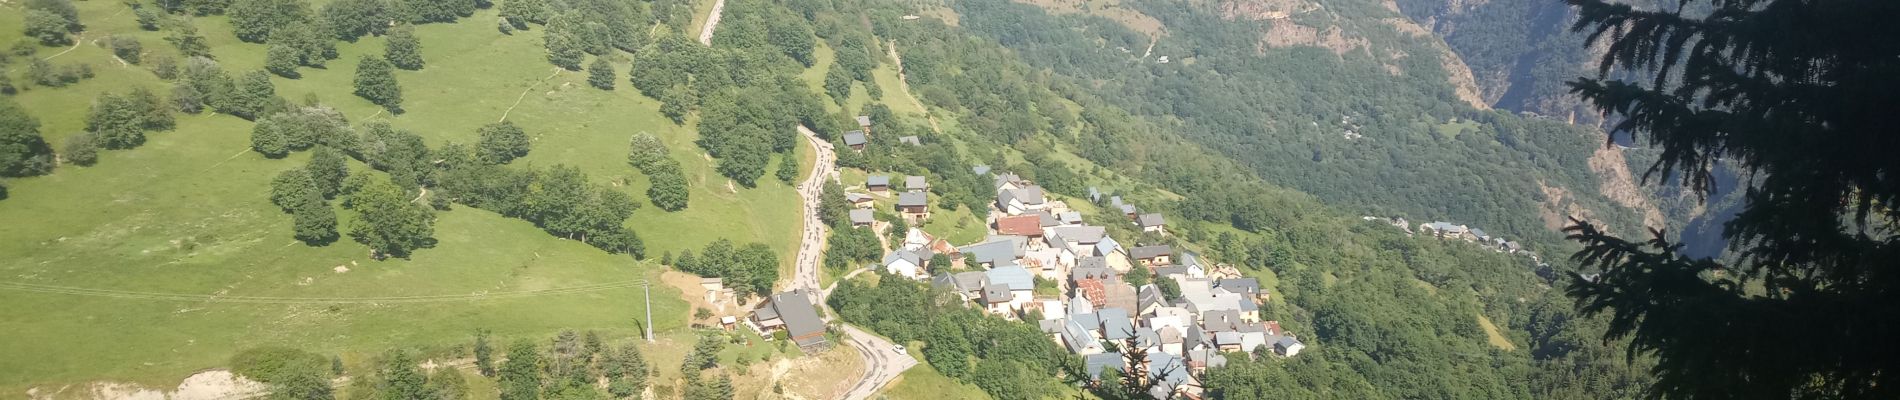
<point>1040,263</point>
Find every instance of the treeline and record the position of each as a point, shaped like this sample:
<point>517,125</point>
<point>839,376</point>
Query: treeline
<point>1007,359</point>
<point>570,367</point>
<point>748,270</point>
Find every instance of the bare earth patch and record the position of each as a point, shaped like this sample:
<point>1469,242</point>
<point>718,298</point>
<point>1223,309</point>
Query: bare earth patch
<point>208,385</point>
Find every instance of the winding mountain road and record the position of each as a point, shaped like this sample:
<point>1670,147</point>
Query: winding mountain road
<point>882,362</point>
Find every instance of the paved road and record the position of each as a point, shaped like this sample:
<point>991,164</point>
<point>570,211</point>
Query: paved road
<point>882,362</point>
<point>712,20</point>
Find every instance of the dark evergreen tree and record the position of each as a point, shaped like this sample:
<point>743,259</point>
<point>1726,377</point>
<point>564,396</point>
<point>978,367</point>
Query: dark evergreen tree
<point>314,220</point>
<point>1804,116</point>
<point>521,373</point>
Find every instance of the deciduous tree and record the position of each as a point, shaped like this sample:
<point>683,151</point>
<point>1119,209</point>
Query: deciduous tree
<point>376,81</point>
<point>402,49</point>
<point>388,222</point>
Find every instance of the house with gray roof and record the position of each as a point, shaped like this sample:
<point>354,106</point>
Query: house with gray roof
<point>1152,256</point>
<point>910,140</point>
<point>1020,200</point>
<point>1070,217</point>
<point>1249,287</point>
<point>1079,339</point>
<point>905,263</point>
<point>1107,247</point>
<point>1094,364</point>
<point>1288,346</point>
<point>793,312</point>
<point>1045,219</point>
<point>859,200</point>
<point>1095,195</point>
<point>1115,324</point>
<point>996,299</point>
<point>864,121</point>
<point>980,169</point>
<point>1172,373</point>
<point>861,217</point>
<point>1152,222</point>
<point>915,183</point>
<point>877,183</point>
<point>854,139</point>
<point>914,206</point>
<point>991,253</point>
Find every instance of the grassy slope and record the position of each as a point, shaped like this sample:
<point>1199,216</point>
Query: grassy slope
<point>187,213</point>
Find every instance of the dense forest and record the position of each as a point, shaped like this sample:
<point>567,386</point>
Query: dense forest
<point>1341,126</point>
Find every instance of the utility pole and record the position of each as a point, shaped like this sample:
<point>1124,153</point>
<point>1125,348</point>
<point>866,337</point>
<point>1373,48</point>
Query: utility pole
<point>649,307</point>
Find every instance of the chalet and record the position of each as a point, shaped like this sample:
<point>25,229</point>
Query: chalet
<point>1020,283</point>
<point>854,139</point>
<point>877,183</point>
<point>861,217</point>
<point>1070,218</point>
<point>1108,247</point>
<point>1248,287</point>
<point>968,285</point>
<point>1023,225</point>
<point>1479,233</point>
<point>793,312</point>
<point>1044,218</point>
<point>1009,181</point>
<point>1074,236</point>
<point>996,299</point>
<point>1148,299</point>
<point>915,183</point>
<point>1022,200</point>
<point>1152,256</point>
<point>913,206</point>
<point>905,263</point>
<point>858,200</point>
<point>864,122</point>
<point>1288,346</point>
<point>991,253</point>
<point>910,140</point>
<point>1127,209</point>
<point>1151,223</point>
<point>1095,195</point>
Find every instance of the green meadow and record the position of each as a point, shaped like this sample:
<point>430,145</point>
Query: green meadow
<point>187,214</point>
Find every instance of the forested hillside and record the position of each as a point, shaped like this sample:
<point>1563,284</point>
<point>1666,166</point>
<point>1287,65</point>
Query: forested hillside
<point>458,149</point>
<point>1369,121</point>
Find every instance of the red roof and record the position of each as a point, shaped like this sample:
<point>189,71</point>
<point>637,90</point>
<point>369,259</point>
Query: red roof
<point>1273,328</point>
<point>1093,290</point>
<point>1021,225</point>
